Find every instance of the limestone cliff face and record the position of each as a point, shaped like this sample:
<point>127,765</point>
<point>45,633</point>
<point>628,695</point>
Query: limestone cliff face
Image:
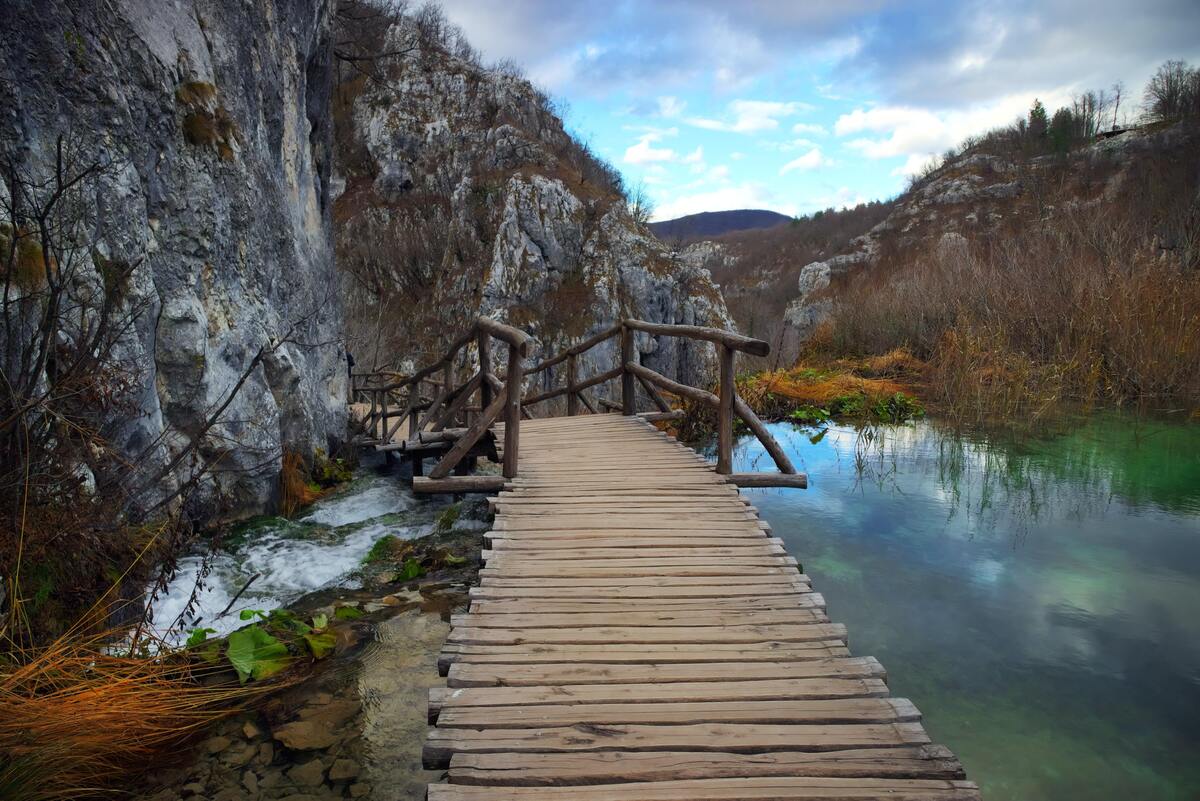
<point>214,118</point>
<point>464,195</point>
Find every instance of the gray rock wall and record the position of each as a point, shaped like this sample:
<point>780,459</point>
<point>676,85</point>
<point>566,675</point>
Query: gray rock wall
<point>214,117</point>
<point>492,208</point>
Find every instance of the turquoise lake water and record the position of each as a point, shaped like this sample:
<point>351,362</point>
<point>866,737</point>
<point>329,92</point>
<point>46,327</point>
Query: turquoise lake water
<point>1036,596</point>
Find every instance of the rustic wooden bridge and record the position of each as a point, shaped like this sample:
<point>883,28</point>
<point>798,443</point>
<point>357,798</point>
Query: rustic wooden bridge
<point>637,634</point>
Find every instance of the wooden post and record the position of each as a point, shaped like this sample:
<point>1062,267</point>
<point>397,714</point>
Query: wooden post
<point>448,380</point>
<point>483,342</point>
<point>726,391</point>
<point>628,399</point>
<point>384,414</point>
<point>371,416</point>
<point>512,416</point>
<point>572,397</point>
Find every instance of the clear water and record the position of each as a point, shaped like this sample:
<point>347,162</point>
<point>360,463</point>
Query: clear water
<point>1038,598</point>
<point>322,548</point>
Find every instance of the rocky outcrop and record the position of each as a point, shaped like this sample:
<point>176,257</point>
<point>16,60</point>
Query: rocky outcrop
<point>464,195</point>
<point>973,198</point>
<point>213,118</point>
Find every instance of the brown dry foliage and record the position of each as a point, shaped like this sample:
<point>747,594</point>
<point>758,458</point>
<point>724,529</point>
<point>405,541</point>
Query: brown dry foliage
<point>77,721</point>
<point>295,491</point>
<point>1100,304</point>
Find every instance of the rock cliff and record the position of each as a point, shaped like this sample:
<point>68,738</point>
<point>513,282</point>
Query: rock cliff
<point>212,120</point>
<point>463,194</point>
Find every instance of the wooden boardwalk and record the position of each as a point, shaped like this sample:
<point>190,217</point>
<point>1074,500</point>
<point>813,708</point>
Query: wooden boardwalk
<point>638,634</point>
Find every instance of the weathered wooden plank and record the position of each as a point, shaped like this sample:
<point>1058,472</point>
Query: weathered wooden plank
<point>557,675</point>
<point>653,592</point>
<point>646,554</point>
<point>685,691</point>
<point>840,711</point>
<point>634,653</point>
<point>782,788</point>
<point>722,737</point>
<point>606,767</point>
<point>657,617</point>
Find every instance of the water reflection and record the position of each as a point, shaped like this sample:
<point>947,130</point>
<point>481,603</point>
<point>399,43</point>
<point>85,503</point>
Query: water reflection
<point>1038,597</point>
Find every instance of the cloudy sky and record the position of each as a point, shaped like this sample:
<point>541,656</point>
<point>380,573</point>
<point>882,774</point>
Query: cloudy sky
<point>796,106</point>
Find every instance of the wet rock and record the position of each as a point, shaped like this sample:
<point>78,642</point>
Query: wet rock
<point>250,782</point>
<point>304,735</point>
<point>343,769</point>
<point>359,789</point>
<point>266,753</point>
<point>216,745</point>
<point>308,774</point>
<point>230,794</point>
<point>251,730</point>
<point>194,788</point>
<point>239,756</point>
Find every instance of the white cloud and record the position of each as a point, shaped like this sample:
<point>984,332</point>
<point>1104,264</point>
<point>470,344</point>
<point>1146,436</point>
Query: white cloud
<point>843,198</point>
<point>750,116</point>
<point>739,196</point>
<point>917,134</point>
<point>695,157</point>
<point>809,128</point>
<point>644,152</point>
<point>718,173</point>
<point>809,161</point>
<point>670,107</point>
<point>737,155</point>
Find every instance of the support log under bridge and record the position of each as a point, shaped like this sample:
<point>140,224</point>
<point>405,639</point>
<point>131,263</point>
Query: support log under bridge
<point>637,633</point>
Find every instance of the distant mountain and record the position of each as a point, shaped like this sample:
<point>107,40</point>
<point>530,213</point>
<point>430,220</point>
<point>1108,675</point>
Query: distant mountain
<point>715,223</point>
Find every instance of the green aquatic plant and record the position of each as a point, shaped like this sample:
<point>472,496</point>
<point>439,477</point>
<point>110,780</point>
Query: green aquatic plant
<point>447,519</point>
<point>382,550</point>
<point>897,408</point>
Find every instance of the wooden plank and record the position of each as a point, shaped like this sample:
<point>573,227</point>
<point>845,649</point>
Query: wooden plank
<point>705,617</point>
<point>722,737</point>
<point>840,711</point>
<point>476,675</point>
<point>655,592</point>
<point>769,549</point>
<point>550,606</point>
<point>634,654</point>
<point>713,690</point>
<point>606,767</point>
<point>782,788</point>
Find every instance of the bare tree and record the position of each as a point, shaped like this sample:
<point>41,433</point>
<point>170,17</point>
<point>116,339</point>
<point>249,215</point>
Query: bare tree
<point>1173,92</point>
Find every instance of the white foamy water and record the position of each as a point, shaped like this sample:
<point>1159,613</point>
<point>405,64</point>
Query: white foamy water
<point>293,558</point>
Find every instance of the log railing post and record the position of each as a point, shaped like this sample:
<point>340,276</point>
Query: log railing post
<point>384,414</point>
<point>484,345</point>
<point>628,405</point>
<point>448,381</point>
<point>371,414</point>
<point>512,416</point>
<point>726,393</point>
<point>572,396</point>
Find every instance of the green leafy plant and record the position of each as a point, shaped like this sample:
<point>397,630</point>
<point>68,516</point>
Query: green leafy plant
<point>410,570</point>
<point>381,550</point>
<point>347,613</point>
<point>254,653</point>
<point>198,637</point>
<point>898,408</point>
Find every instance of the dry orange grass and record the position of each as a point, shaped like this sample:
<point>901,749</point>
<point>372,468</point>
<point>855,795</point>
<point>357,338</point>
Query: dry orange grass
<point>816,387</point>
<point>295,491</point>
<point>79,722</point>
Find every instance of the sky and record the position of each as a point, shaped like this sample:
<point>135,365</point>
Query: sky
<point>802,105</point>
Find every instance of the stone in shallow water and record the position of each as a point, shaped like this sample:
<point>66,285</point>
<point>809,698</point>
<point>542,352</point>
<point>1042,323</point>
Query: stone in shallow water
<point>309,774</point>
<point>343,769</point>
<point>304,735</point>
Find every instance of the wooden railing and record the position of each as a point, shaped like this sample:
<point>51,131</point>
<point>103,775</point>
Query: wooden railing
<point>447,426</point>
<point>439,422</point>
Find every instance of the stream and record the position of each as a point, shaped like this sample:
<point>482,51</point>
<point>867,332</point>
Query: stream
<point>1037,596</point>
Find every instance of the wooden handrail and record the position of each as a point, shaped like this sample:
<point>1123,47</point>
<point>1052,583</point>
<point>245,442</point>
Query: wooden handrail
<point>575,350</point>
<point>502,399</point>
<point>755,347</point>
